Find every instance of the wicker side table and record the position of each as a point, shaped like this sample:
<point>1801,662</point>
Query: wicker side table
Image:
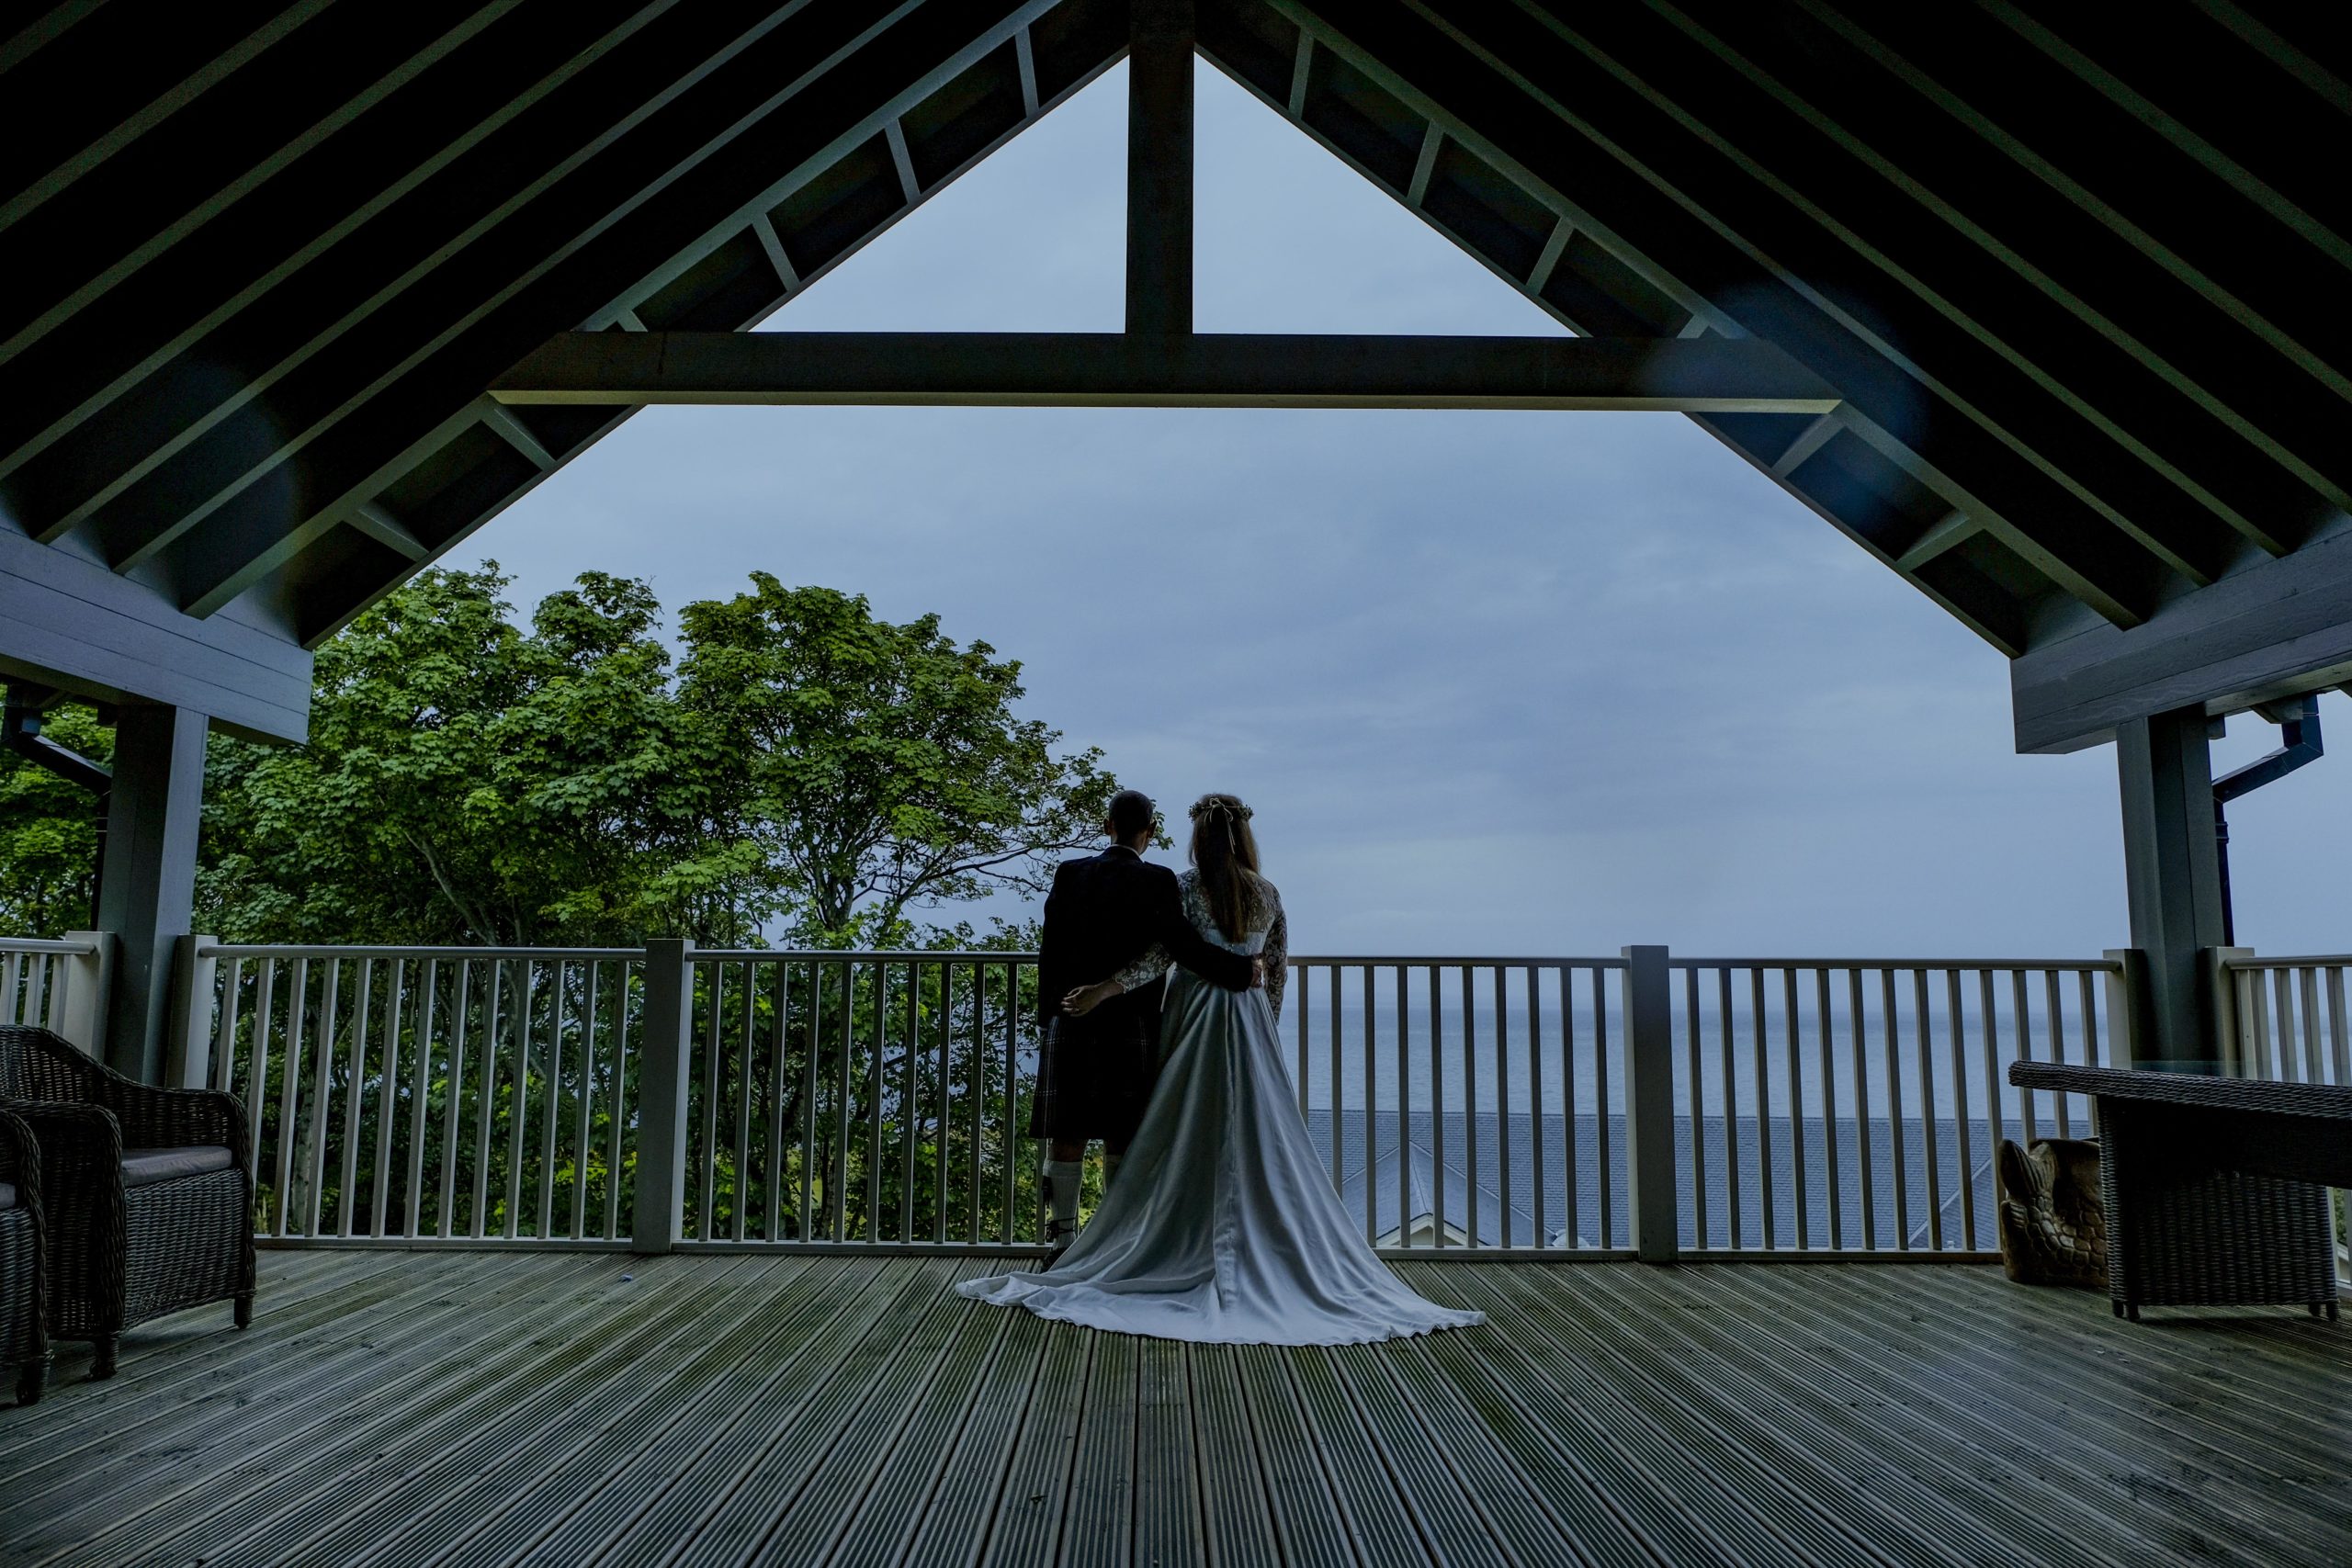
<point>2216,1189</point>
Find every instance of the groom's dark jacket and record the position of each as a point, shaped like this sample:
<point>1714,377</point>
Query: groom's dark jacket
<point>1103,913</point>
<point>1095,1074</point>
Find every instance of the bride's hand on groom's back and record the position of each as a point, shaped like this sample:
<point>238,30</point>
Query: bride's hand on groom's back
<point>1086,998</point>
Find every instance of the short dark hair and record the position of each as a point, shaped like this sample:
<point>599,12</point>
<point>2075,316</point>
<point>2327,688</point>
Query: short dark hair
<point>1131,813</point>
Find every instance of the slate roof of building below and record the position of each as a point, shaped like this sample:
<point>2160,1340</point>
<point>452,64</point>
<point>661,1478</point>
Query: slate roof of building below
<point>1583,1225</point>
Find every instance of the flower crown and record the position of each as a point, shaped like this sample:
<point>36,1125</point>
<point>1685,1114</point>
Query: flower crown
<point>1210,806</point>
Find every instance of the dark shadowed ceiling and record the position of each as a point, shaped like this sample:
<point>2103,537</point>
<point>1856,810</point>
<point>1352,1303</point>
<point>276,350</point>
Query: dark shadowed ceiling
<point>259,262</point>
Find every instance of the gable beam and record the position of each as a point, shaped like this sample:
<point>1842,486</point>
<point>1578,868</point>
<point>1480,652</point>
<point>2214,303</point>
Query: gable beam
<point>1160,167</point>
<point>1206,370</point>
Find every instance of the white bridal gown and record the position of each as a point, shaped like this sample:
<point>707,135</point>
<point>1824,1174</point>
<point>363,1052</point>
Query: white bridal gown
<point>1222,1227</point>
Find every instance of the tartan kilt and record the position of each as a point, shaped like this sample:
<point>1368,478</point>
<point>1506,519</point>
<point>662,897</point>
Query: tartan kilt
<point>1095,1076</point>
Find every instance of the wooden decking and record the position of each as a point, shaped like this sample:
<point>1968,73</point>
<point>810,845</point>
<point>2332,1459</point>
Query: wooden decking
<point>495,1408</point>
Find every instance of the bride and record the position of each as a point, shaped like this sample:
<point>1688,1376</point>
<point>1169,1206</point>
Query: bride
<point>1222,1226</point>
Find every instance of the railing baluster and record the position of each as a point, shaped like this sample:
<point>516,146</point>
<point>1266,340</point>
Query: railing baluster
<point>1470,1139</point>
<point>745,1059</point>
<point>1765,1194</point>
<point>387,1095</point>
<point>518,1131</point>
<point>1572,1136</point>
<point>1995,1127</point>
<point>2057,1020</point>
<point>1505,1217</point>
<point>1011,1097</point>
<point>1338,1080</point>
<point>1922,1027</point>
<point>838,1181</point>
<point>1403,1111</point>
<point>452,1117</point>
<point>1896,1140</point>
<point>2308,978</point>
<point>974,1061</point>
<point>486,1110</point>
<point>1796,1107</point>
<point>1606,1192</point>
<point>584,1122</point>
<point>1869,1176</point>
<point>2339,1026</point>
<point>908,1048</point>
<point>420,1093</point>
<point>946,1081</point>
<point>1696,1067</point>
<point>617,1111</point>
<point>224,1033</point>
<point>1538,1165</point>
<point>552,1071</point>
<point>2021,1030</point>
<point>1437,1113</point>
<point>1738,1235</point>
<point>257,1084</point>
<point>355,1086</point>
<point>1371,1116</point>
<point>1959,1110</point>
<point>315,1155</point>
<point>714,979</point>
<point>1828,1110</point>
<point>874,1074</point>
<point>1302,982</point>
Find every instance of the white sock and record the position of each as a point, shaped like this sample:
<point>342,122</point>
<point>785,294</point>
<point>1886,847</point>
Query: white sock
<point>1061,1180</point>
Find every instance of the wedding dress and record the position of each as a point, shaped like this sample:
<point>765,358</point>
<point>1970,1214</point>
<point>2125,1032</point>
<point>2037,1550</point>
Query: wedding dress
<point>1222,1227</point>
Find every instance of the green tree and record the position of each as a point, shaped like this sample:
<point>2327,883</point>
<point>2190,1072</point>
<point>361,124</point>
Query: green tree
<point>880,768</point>
<point>49,833</point>
<point>468,780</point>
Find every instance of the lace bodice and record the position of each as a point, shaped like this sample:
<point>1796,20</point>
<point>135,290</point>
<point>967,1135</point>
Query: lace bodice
<point>1268,937</point>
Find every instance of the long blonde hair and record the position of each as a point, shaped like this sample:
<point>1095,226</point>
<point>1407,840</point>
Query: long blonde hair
<point>1225,854</point>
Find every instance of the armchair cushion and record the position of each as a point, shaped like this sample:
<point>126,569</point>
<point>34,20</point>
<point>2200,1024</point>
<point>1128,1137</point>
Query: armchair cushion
<point>7,1196</point>
<point>143,1168</point>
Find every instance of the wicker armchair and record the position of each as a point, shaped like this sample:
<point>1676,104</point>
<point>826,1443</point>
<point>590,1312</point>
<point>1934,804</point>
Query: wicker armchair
<point>148,1196</point>
<point>24,1334</point>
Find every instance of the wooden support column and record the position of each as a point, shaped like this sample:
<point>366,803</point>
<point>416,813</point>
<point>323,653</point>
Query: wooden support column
<point>1646,1004</point>
<point>1159,168</point>
<point>665,1053</point>
<point>2173,878</point>
<point>147,895</point>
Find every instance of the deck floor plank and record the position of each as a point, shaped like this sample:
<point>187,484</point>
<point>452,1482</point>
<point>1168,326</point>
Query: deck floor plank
<point>461,1408</point>
<point>1098,1525</point>
<point>2153,1519</point>
<point>1237,1514</point>
<point>449,1396</point>
<point>170,1481</point>
<point>1168,1524</point>
<point>607,1508</point>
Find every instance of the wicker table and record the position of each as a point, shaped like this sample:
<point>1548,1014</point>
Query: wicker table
<point>2216,1189</point>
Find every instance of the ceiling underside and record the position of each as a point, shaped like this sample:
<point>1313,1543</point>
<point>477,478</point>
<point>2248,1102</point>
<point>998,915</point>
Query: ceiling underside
<point>2071,281</point>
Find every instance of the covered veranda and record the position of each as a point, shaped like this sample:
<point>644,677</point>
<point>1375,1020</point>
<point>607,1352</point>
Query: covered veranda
<point>303,297</point>
<point>493,1408</point>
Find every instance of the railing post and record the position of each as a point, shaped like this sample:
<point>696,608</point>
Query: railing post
<point>2221,991</point>
<point>661,1095</point>
<point>187,1050</point>
<point>80,1016</point>
<point>1647,1000</point>
<point>2129,1041</point>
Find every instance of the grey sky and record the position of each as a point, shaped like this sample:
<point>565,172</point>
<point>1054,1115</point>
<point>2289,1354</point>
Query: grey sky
<point>1503,683</point>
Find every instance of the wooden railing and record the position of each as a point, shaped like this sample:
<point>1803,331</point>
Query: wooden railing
<point>56,985</point>
<point>670,1096</point>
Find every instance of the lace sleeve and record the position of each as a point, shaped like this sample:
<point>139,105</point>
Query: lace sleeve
<point>1150,964</point>
<point>1276,952</point>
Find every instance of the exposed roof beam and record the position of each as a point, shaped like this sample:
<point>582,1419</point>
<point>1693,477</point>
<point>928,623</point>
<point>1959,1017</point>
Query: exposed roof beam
<point>1490,103</point>
<point>751,127</point>
<point>1160,167</point>
<point>2277,628</point>
<point>1206,370</point>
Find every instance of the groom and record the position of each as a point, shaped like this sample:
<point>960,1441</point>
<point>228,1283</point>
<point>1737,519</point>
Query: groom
<point>1095,1073</point>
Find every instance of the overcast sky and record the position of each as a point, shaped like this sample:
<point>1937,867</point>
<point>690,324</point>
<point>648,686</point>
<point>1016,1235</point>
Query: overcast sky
<point>1496,683</point>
